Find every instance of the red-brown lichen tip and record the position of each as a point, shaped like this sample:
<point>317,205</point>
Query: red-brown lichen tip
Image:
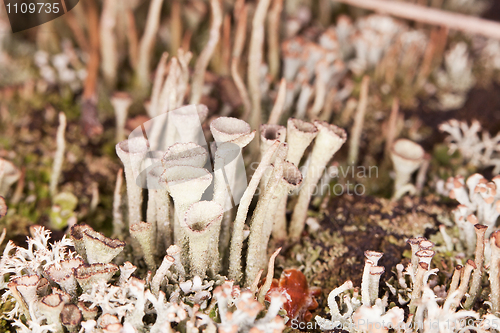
<point>71,315</point>
<point>423,265</point>
<point>425,253</point>
<point>471,262</point>
<point>495,237</point>
<point>472,219</point>
<point>480,228</point>
<point>426,244</point>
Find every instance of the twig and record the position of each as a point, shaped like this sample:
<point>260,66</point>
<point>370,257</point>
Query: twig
<point>359,118</point>
<point>239,43</point>
<point>455,21</point>
<point>255,61</point>
<point>204,58</point>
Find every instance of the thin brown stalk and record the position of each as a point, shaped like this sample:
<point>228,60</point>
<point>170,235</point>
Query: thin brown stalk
<point>454,21</point>
<point>238,7</point>
<point>239,43</point>
<point>279,104</point>
<point>186,40</point>
<point>175,26</point>
<point>226,46</point>
<point>273,36</point>
<point>77,30</point>
<point>205,56</point>
<point>132,38</point>
<point>255,61</point>
<point>426,66</point>
<point>90,122</point>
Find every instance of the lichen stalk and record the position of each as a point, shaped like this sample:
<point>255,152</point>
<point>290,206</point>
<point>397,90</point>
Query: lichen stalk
<point>109,54</point>
<point>255,240</point>
<point>357,127</point>
<point>131,152</point>
<point>477,275</point>
<point>199,222</point>
<point>279,104</point>
<point>494,272</point>
<point>329,140</point>
<point>147,42</point>
<point>239,223</point>
<point>239,43</point>
<point>206,54</point>
<point>59,156</point>
<point>143,233</point>
<point>255,61</point>
<point>121,102</point>
<point>273,37</point>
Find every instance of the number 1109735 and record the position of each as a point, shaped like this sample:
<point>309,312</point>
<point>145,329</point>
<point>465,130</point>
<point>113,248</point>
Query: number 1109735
<point>33,8</point>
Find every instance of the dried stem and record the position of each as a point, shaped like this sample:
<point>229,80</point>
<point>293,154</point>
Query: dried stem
<point>204,58</point>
